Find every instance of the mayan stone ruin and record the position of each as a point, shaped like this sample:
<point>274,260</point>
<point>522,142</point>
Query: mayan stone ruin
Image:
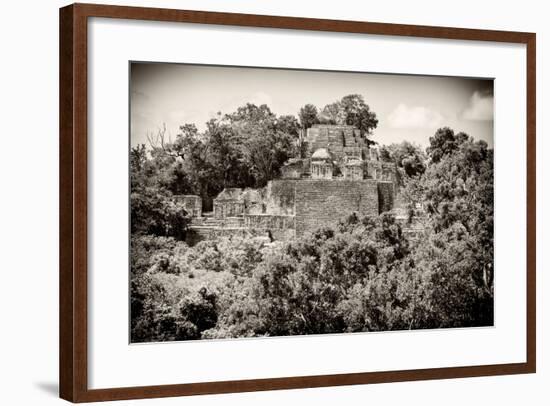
<point>340,174</point>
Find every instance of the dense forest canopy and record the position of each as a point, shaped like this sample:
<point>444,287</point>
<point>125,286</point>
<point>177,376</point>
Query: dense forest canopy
<point>364,275</point>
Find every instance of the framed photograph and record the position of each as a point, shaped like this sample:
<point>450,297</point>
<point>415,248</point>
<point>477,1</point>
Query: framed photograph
<point>255,203</point>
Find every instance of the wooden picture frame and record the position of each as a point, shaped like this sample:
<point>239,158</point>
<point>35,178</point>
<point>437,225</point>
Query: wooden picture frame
<point>73,199</point>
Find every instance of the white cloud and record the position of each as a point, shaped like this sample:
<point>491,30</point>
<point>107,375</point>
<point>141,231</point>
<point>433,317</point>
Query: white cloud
<point>480,107</point>
<point>414,117</point>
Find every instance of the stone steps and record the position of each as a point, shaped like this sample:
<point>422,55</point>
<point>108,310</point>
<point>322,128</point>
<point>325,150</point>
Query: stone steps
<point>211,222</point>
<point>233,222</point>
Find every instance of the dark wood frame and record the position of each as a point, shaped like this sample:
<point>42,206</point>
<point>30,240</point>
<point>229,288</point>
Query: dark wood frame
<point>73,202</point>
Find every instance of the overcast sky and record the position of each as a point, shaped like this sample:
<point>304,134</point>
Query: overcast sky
<point>408,107</point>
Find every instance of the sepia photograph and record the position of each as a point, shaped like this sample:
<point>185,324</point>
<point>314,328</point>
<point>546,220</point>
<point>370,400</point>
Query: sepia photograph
<point>269,202</point>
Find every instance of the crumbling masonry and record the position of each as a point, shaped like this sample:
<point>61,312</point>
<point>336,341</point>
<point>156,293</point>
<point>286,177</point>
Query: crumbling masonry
<point>339,175</point>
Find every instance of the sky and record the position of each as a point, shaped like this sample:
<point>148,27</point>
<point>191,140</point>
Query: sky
<point>408,107</point>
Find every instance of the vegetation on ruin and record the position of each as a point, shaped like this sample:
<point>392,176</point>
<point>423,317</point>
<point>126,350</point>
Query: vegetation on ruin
<point>245,148</point>
<point>366,274</point>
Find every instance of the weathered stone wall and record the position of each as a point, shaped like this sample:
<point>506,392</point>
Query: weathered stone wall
<point>227,208</point>
<point>280,196</point>
<point>324,203</point>
<point>341,140</point>
<point>321,170</point>
<point>353,171</point>
<point>269,221</point>
<point>385,196</point>
<point>275,227</point>
<point>254,200</point>
<point>382,171</point>
<point>354,151</point>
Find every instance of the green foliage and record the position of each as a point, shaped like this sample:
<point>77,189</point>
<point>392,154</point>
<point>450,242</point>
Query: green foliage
<point>312,285</point>
<point>453,264</point>
<point>456,191</point>
<point>177,292</point>
<point>154,212</point>
<point>458,186</point>
<point>358,113</point>
<point>350,110</point>
<point>364,275</point>
<point>162,310</point>
<point>444,142</point>
<point>266,142</point>
<point>332,113</point>
<point>407,156</point>
<point>309,116</point>
<point>245,148</point>
<point>288,125</point>
<point>154,253</point>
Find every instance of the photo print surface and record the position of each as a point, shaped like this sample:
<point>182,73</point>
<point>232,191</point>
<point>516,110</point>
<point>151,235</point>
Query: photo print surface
<point>279,202</point>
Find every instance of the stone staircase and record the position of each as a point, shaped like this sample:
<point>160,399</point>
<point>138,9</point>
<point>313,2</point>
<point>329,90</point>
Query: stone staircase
<point>233,222</point>
<point>209,221</point>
